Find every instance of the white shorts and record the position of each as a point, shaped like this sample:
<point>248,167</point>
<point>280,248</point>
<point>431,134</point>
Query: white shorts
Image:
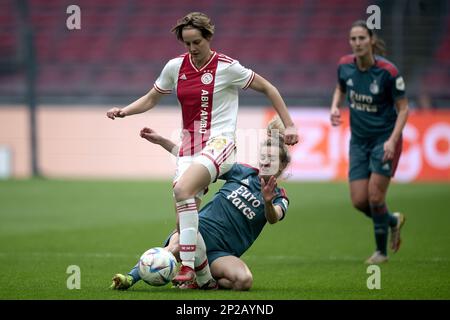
<point>218,156</point>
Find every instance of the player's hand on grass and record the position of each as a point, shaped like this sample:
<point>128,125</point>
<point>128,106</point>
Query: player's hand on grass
<point>290,135</point>
<point>268,189</point>
<point>150,135</point>
<point>335,117</point>
<point>115,113</point>
<point>389,150</point>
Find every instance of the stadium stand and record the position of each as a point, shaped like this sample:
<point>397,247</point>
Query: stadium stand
<point>123,45</point>
<point>437,78</point>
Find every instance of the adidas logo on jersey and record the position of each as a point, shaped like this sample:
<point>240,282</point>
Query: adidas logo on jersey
<point>183,77</point>
<point>245,181</point>
<point>349,82</point>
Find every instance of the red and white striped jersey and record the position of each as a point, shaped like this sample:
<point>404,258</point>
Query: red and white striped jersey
<point>208,96</point>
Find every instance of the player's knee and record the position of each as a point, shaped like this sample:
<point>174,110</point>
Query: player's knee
<point>243,282</point>
<point>181,193</point>
<point>376,198</point>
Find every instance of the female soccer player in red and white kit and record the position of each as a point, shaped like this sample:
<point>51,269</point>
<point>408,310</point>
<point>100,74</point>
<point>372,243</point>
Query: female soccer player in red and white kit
<point>206,83</point>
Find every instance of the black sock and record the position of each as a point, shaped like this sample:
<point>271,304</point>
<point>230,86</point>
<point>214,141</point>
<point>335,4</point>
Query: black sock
<point>380,217</point>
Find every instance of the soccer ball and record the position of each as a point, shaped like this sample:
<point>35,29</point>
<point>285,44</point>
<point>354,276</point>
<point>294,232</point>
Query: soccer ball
<point>157,266</point>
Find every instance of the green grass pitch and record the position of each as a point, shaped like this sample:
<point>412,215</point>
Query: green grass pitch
<point>317,252</point>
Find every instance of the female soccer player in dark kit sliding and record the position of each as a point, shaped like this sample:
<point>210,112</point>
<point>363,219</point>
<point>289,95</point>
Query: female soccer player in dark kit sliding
<point>378,113</point>
<point>206,83</point>
<point>232,220</point>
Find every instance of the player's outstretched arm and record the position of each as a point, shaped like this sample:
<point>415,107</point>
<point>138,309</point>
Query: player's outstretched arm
<point>262,85</point>
<point>151,135</point>
<point>141,105</point>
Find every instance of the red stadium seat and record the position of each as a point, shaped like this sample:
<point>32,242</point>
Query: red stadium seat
<point>294,43</point>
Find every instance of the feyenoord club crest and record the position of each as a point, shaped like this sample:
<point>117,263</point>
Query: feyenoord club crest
<point>207,78</point>
<point>374,87</point>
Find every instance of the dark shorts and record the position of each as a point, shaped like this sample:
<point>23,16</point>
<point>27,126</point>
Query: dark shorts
<point>367,157</point>
<point>215,248</point>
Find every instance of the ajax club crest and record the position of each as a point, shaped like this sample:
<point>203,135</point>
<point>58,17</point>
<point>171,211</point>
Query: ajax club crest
<point>207,78</point>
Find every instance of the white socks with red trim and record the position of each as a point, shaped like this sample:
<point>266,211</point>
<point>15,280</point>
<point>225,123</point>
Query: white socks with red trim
<point>201,262</point>
<point>188,219</point>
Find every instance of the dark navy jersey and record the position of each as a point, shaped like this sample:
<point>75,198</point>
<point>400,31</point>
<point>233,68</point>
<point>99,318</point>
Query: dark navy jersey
<point>372,95</point>
<point>235,216</point>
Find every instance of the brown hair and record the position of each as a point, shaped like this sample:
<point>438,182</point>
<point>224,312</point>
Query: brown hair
<point>379,46</point>
<point>275,133</point>
<point>196,20</point>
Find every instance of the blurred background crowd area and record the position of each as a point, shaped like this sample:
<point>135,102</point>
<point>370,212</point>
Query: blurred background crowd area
<point>122,46</point>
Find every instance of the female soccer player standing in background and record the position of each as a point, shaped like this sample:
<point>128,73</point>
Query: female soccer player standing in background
<point>378,114</point>
<point>206,84</point>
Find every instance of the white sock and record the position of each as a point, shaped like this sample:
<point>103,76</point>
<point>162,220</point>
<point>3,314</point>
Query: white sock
<point>201,262</point>
<point>188,219</point>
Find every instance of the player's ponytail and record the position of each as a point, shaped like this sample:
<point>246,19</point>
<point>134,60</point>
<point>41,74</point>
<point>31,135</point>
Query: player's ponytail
<point>379,46</point>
